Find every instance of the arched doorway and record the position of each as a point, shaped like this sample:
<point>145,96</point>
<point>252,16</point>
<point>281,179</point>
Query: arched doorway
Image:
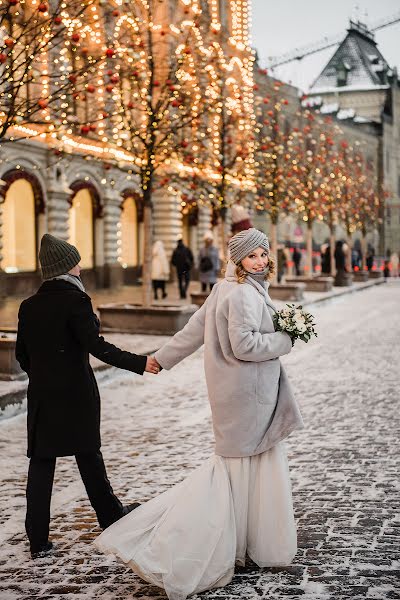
<point>19,228</point>
<point>131,236</point>
<point>81,226</point>
<point>23,221</point>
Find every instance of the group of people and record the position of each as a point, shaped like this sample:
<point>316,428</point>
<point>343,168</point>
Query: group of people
<point>183,261</point>
<point>238,504</point>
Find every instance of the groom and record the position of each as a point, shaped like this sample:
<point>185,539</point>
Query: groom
<point>57,330</point>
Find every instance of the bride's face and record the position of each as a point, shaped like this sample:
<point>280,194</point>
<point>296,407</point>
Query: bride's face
<point>256,261</point>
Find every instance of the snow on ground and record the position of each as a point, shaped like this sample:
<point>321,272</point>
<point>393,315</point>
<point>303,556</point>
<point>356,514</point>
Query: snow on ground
<point>344,465</point>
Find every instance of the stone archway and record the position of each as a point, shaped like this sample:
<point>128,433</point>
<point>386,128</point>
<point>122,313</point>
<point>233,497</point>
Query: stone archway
<point>85,230</point>
<point>22,215</point>
<point>131,235</point>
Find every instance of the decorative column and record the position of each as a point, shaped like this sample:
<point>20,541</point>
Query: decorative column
<point>167,224</point>
<point>113,274</point>
<point>58,205</point>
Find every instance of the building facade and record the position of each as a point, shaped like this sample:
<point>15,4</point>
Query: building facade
<point>74,193</point>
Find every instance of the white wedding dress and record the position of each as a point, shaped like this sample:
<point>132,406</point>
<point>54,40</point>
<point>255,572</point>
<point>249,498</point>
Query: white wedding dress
<point>189,538</point>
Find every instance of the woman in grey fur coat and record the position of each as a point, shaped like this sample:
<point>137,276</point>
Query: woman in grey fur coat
<point>239,502</point>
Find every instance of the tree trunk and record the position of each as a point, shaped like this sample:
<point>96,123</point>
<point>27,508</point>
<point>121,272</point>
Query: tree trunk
<point>273,242</point>
<point>332,241</point>
<point>364,251</point>
<point>147,255</point>
<point>308,266</point>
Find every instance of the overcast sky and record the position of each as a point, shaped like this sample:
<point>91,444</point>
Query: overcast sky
<point>280,26</point>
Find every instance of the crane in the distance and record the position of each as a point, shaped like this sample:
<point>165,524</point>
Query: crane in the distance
<point>326,42</point>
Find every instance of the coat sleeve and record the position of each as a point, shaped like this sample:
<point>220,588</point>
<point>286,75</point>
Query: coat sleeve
<point>85,327</point>
<point>21,352</point>
<point>247,342</point>
<point>185,342</point>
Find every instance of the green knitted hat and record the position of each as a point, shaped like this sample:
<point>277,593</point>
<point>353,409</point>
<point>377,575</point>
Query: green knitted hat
<point>56,256</point>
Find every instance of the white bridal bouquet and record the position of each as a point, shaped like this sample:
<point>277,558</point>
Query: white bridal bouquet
<point>296,322</point>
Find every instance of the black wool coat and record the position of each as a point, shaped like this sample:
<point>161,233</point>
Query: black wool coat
<point>57,330</point>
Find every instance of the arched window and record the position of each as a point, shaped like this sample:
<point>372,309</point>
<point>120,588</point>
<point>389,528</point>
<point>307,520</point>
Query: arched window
<point>129,235</point>
<point>81,232</point>
<point>19,228</point>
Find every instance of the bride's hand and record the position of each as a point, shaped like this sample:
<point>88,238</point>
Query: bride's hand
<point>152,365</point>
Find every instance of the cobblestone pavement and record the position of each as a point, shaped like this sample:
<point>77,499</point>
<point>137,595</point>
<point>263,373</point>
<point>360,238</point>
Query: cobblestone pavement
<point>345,469</point>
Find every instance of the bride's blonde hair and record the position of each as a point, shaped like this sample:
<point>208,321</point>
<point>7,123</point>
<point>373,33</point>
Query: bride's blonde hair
<point>241,274</point>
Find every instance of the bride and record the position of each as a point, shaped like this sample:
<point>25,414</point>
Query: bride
<point>239,502</point>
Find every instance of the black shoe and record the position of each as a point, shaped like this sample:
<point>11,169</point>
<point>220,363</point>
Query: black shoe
<point>164,295</point>
<point>129,508</point>
<point>42,551</point>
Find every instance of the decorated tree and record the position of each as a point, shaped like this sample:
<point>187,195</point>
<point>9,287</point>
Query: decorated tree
<point>274,158</point>
<point>50,53</point>
<point>310,151</point>
<point>159,99</point>
<point>367,204</point>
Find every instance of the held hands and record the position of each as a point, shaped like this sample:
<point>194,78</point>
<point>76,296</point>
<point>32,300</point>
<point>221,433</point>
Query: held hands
<point>152,366</point>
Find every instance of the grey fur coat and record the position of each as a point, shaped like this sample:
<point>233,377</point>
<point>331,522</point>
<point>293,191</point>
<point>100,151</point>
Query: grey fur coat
<point>252,404</point>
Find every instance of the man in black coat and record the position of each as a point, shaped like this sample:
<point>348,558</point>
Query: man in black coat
<point>57,330</point>
<point>182,259</point>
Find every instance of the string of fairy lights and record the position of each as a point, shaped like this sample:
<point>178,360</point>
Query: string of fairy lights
<point>111,30</point>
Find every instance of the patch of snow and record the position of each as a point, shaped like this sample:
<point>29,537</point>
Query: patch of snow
<point>346,113</point>
<point>329,108</point>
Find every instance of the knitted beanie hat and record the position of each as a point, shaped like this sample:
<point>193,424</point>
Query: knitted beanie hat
<point>244,242</point>
<point>56,256</point>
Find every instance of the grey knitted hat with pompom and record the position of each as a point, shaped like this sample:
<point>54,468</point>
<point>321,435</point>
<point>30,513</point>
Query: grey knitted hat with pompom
<point>56,256</point>
<point>244,242</point>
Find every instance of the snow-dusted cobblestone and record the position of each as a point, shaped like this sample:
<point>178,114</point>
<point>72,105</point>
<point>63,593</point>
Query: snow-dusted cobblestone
<point>345,469</point>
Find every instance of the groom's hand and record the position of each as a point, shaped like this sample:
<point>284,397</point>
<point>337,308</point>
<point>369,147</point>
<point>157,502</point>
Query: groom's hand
<point>152,365</point>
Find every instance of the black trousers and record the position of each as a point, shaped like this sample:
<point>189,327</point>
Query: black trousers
<point>204,286</point>
<point>40,484</point>
<point>183,280</point>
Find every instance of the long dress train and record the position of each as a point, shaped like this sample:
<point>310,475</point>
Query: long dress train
<point>188,539</point>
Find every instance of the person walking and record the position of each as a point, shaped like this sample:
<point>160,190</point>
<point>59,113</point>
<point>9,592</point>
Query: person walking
<point>239,502</point>
<point>159,269</point>
<point>209,263</point>
<point>296,256</point>
<point>182,259</point>
<point>57,330</point>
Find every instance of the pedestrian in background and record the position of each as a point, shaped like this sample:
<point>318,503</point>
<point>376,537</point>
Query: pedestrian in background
<point>57,330</point>
<point>370,258</point>
<point>182,259</point>
<point>296,256</point>
<point>159,269</point>
<point>394,261</point>
<point>326,259</point>
<point>208,263</point>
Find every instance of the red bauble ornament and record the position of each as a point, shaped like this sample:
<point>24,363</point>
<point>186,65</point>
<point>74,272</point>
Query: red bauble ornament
<point>255,87</point>
<point>109,88</point>
<point>266,100</point>
<point>90,88</point>
<point>104,115</point>
<point>76,96</point>
<point>131,105</point>
<point>270,113</point>
<point>9,42</point>
<point>285,101</point>
<point>85,129</point>
<point>115,13</point>
<point>156,83</point>
<point>75,37</point>
<point>110,52</point>
<point>72,78</point>
<point>43,7</point>
<point>93,127</point>
<point>3,58</point>
<point>42,103</point>
<point>114,78</point>
<point>84,51</point>
<point>58,20</point>
<point>135,73</point>
<point>13,2</point>
<point>184,144</point>
<point>175,103</point>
